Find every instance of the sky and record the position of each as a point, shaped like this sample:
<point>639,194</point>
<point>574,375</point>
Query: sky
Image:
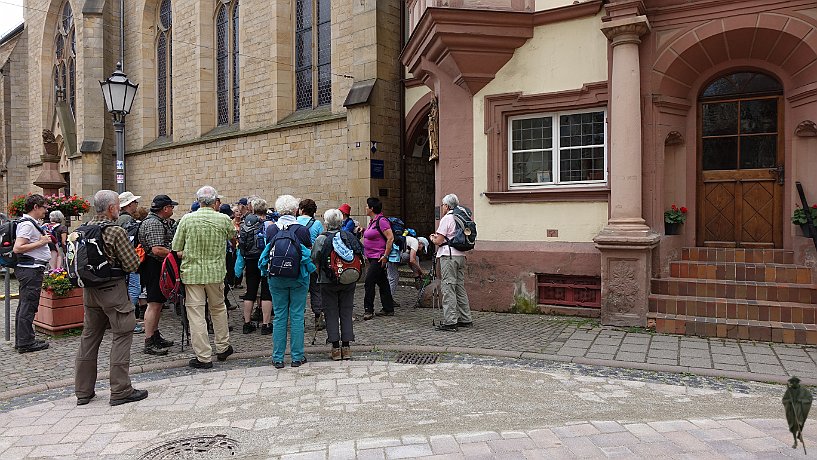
<point>11,15</point>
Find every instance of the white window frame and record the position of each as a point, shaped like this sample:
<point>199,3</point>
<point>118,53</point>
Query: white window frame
<point>555,150</point>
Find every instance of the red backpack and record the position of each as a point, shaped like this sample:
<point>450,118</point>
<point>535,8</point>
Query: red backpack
<point>170,280</point>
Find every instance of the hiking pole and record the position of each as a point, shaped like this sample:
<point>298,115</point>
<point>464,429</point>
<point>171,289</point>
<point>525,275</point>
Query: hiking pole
<point>8,304</point>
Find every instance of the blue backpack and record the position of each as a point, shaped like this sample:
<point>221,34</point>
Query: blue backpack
<point>397,229</point>
<point>285,254</point>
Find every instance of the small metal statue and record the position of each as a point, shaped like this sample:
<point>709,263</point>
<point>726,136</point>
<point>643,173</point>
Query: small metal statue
<point>797,401</point>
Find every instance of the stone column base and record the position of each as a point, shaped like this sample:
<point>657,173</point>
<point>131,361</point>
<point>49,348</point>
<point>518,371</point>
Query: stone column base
<point>626,267</point>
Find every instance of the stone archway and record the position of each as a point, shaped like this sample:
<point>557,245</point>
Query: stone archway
<point>419,178</point>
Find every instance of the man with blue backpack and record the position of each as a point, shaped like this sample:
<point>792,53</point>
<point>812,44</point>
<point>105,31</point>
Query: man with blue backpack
<point>455,236</point>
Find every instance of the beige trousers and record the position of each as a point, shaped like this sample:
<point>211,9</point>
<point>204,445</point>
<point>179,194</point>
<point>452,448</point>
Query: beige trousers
<point>196,296</point>
<point>456,307</point>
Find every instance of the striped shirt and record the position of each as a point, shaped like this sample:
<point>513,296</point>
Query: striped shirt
<point>202,235</point>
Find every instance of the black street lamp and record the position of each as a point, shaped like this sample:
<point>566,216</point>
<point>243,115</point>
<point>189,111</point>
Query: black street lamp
<point>119,93</point>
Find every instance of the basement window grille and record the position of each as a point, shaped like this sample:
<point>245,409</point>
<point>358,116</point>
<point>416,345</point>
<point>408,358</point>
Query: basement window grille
<point>571,291</point>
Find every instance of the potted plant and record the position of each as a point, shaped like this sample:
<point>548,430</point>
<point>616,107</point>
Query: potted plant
<point>673,219</point>
<point>72,205</point>
<point>61,304</point>
<point>799,218</point>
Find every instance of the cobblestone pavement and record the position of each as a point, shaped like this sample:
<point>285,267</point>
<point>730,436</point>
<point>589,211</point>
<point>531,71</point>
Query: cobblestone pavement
<point>464,407</point>
<point>530,336</point>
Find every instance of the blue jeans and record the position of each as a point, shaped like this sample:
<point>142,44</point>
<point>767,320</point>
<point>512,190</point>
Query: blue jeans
<point>288,303</point>
<point>134,288</point>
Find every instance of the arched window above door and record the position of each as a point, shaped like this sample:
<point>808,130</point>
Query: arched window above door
<point>742,84</point>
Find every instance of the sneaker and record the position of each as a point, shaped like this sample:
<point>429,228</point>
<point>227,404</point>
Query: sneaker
<point>224,354</point>
<point>139,329</point>
<point>196,364</point>
<point>266,329</point>
<point>84,401</point>
<point>346,353</point>
<point>462,324</point>
<point>38,345</point>
<point>136,395</point>
<point>298,363</point>
<point>152,349</point>
<point>447,327</point>
<point>336,354</point>
<point>278,364</point>
<point>161,342</point>
<point>320,322</point>
<point>384,313</point>
<point>249,328</point>
<point>367,316</point>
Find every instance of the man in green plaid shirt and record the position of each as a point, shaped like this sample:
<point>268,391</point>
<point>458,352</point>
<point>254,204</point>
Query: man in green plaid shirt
<point>201,241</point>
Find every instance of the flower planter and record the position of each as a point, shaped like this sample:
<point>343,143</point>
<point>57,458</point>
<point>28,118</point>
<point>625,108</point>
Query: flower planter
<point>806,232</point>
<point>672,228</point>
<point>56,314</point>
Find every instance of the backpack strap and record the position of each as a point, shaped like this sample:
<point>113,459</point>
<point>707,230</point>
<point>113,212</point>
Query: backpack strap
<point>310,223</point>
<point>377,226</point>
<point>33,222</point>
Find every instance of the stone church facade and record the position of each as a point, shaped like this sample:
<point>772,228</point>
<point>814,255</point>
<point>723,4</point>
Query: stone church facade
<point>252,96</point>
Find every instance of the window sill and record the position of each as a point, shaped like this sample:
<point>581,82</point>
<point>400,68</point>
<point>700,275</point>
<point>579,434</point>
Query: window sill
<point>550,194</point>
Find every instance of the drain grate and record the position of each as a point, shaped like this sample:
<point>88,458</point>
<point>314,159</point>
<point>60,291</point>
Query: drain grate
<point>200,446</point>
<point>417,358</point>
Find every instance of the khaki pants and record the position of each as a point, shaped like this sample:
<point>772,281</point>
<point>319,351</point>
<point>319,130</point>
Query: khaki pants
<point>455,301</point>
<point>197,295</point>
<point>104,305</point>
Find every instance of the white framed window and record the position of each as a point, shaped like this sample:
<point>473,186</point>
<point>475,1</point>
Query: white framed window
<point>557,149</point>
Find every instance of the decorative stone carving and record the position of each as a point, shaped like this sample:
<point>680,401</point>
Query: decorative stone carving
<point>50,147</point>
<point>50,179</point>
<point>806,128</point>
<point>48,137</point>
<point>433,131</point>
<point>674,138</point>
<point>627,30</point>
<point>622,290</point>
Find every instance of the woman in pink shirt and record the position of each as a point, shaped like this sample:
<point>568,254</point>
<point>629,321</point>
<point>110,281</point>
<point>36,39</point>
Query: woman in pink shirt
<point>377,237</point>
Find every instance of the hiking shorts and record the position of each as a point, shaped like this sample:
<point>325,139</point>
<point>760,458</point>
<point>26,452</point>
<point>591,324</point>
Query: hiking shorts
<point>150,273</point>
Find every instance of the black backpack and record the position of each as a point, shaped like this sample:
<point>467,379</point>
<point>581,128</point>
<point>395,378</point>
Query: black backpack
<point>251,238</point>
<point>87,262</point>
<point>397,229</point>
<point>132,228</point>
<point>8,236</point>
<point>465,236</point>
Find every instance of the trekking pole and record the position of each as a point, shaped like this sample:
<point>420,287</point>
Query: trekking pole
<point>8,305</point>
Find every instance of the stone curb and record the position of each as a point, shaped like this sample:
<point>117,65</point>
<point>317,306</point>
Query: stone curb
<point>737,375</point>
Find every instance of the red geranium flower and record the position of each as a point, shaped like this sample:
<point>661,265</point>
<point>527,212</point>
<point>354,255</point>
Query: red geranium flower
<point>683,209</point>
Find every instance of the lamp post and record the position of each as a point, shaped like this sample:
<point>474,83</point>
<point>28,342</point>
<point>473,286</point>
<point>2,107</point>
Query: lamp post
<point>119,93</point>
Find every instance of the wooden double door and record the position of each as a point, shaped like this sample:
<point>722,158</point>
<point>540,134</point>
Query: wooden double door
<point>741,171</point>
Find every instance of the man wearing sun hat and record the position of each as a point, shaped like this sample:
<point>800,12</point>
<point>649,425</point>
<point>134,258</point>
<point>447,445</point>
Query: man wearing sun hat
<point>128,202</point>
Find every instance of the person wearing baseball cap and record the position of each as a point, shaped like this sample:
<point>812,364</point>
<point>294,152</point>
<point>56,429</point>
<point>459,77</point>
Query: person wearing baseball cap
<point>128,202</point>
<point>156,235</point>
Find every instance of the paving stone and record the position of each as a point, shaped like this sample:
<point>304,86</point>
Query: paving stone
<point>765,369</point>
<point>409,451</point>
<point>617,452</point>
<point>631,357</point>
<point>572,431</point>
<point>728,359</point>
<point>444,444</point>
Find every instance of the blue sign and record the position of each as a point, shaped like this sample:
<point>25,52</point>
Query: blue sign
<point>378,169</point>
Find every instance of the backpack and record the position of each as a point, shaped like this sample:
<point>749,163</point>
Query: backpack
<point>8,236</point>
<point>132,228</point>
<point>251,238</point>
<point>339,269</point>
<point>170,278</point>
<point>285,254</point>
<point>50,229</point>
<point>87,262</point>
<point>465,235</point>
<point>397,229</point>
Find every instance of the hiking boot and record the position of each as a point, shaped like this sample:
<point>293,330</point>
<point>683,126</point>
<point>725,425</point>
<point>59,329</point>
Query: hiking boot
<point>447,327</point>
<point>224,354</point>
<point>367,316</point>
<point>298,363</point>
<point>346,353</point>
<point>37,345</point>
<point>249,328</point>
<point>161,342</point>
<point>463,324</point>
<point>266,329</point>
<point>151,348</point>
<point>196,364</point>
<point>336,354</point>
<point>136,395</point>
<point>278,364</point>
<point>86,400</point>
<point>384,313</point>
<point>320,322</point>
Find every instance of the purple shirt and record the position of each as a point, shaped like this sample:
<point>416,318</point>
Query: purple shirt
<point>374,243</point>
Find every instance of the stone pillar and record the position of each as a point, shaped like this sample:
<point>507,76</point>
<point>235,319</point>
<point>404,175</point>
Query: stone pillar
<point>50,178</point>
<point>626,242</point>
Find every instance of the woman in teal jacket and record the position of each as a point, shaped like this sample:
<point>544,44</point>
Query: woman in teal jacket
<point>288,294</point>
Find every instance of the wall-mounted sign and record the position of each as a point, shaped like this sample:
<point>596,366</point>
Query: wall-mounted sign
<point>378,169</point>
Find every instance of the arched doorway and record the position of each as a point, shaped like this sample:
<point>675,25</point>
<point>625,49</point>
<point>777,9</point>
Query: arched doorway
<point>419,182</point>
<point>740,162</point>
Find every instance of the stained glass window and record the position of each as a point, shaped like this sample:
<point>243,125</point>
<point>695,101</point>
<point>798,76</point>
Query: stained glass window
<point>64,58</point>
<point>164,69</point>
<point>227,63</point>
<point>313,53</point>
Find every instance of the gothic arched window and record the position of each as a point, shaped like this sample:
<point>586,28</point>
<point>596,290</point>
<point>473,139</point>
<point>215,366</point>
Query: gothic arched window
<point>164,69</point>
<point>227,63</point>
<point>65,46</point>
<point>313,53</point>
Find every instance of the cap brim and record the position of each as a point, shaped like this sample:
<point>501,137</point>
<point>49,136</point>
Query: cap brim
<point>174,203</point>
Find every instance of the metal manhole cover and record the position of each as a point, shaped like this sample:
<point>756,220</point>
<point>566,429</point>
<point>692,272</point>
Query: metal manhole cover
<point>417,358</point>
<point>217,446</point>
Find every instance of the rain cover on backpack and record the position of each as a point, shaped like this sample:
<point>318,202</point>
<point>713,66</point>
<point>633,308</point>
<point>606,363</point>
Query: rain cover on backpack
<point>87,261</point>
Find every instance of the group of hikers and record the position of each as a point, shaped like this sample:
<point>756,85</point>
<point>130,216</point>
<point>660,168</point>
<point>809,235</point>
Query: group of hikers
<point>283,254</point>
